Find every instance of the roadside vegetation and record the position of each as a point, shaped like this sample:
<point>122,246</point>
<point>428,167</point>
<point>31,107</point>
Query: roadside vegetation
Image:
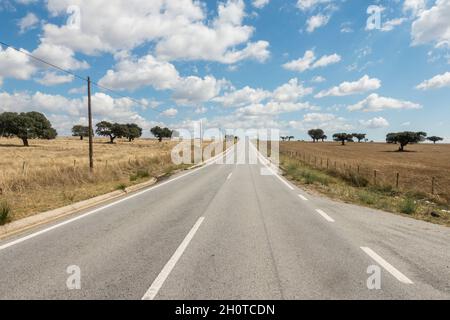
<point>348,184</point>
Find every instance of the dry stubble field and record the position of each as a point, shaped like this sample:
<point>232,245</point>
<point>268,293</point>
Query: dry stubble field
<point>416,167</point>
<point>52,174</point>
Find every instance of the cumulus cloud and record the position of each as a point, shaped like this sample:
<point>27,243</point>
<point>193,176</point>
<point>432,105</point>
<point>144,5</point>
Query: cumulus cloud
<point>316,21</point>
<point>28,22</point>
<point>437,82</point>
<point>327,121</point>
<point>260,3</point>
<point>392,24</point>
<point>15,65</point>
<point>173,26</point>
<point>170,113</point>
<point>52,78</point>
<point>193,90</point>
<point>375,123</point>
<point>310,61</point>
<point>306,5</point>
<point>433,25</point>
<point>376,103</point>
<point>349,88</point>
<point>132,74</point>
<point>244,96</point>
<point>291,91</point>
<point>415,7</point>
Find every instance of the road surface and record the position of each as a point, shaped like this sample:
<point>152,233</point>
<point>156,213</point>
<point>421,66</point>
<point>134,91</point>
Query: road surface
<point>228,232</point>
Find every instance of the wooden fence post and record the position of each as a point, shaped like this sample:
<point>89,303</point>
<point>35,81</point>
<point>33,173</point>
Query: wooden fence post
<point>375,177</point>
<point>397,182</point>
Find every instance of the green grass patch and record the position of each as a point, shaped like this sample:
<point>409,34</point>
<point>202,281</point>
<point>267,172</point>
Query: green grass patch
<point>352,187</point>
<point>408,206</point>
<point>5,212</point>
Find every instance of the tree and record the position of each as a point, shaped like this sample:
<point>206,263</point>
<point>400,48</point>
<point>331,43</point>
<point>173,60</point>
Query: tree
<point>111,130</point>
<point>161,133</point>
<point>80,131</point>
<point>25,126</point>
<point>391,138</point>
<point>323,138</point>
<point>405,138</point>
<point>316,134</point>
<point>435,139</point>
<point>360,136</point>
<point>343,138</point>
<point>290,138</point>
<point>133,131</point>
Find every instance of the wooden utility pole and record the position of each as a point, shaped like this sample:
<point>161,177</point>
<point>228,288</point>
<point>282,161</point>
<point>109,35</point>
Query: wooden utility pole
<point>91,147</point>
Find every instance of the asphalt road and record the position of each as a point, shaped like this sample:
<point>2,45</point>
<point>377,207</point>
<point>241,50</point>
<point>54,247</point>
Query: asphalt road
<point>228,232</point>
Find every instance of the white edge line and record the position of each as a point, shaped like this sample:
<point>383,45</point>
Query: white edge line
<point>56,226</point>
<point>264,162</point>
<point>387,266</point>
<point>229,176</point>
<point>326,216</point>
<point>303,197</point>
<point>157,284</point>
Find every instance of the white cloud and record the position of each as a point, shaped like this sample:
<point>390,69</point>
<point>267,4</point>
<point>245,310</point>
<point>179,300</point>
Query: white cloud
<point>433,25</point>
<point>260,3</point>
<point>28,22</point>
<point>58,55</point>
<point>53,78</point>
<point>376,103</point>
<point>415,7</point>
<point>244,96</point>
<point>291,91</point>
<point>349,88</point>
<point>273,108</point>
<point>173,26</point>
<point>15,65</point>
<point>318,79</point>
<point>193,90</point>
<point>172,112</point>
<point>201,110</point>
<point>437,82</point>
<point>326,121</point>
<point>375,123</point>
<point>305,5</point>
<point>309,61</point>
<point>132,74</point>
<point>326,60</point>
<point>391,24</point>
<point>317,21</point>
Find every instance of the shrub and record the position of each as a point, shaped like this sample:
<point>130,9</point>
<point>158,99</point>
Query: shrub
<point>122,187</point>
<point>367,197</point>
<point>140,174</point>
<point>408,206</point>
<point>5,212</point>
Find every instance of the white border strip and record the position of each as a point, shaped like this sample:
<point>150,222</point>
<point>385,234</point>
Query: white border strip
<point>326,216</point>
<point>152,292</point>
<point>265,162</point>
<point>387,266</point>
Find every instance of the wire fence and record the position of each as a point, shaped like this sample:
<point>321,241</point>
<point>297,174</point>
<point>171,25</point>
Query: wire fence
<point>436,186</point>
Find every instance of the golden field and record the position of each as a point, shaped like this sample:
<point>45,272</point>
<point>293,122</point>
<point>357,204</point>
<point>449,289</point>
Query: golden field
<point>416,168</point>
<point>54,173</point>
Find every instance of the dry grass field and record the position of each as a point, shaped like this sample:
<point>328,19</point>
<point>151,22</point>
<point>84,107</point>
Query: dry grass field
<point>416,168</point>
<point>347,173</point>
<point>54,173</point>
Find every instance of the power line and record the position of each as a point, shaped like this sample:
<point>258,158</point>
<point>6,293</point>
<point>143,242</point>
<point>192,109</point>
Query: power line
<point>76,75</point>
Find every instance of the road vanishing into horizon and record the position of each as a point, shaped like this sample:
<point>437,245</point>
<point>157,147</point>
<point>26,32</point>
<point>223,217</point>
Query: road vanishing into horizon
<point>228,231</point>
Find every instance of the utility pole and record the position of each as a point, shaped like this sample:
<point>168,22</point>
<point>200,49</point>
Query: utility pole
<point>91,147</point>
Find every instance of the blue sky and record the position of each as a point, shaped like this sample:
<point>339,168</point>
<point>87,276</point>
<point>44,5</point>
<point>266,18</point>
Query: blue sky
<point>235,64</point>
